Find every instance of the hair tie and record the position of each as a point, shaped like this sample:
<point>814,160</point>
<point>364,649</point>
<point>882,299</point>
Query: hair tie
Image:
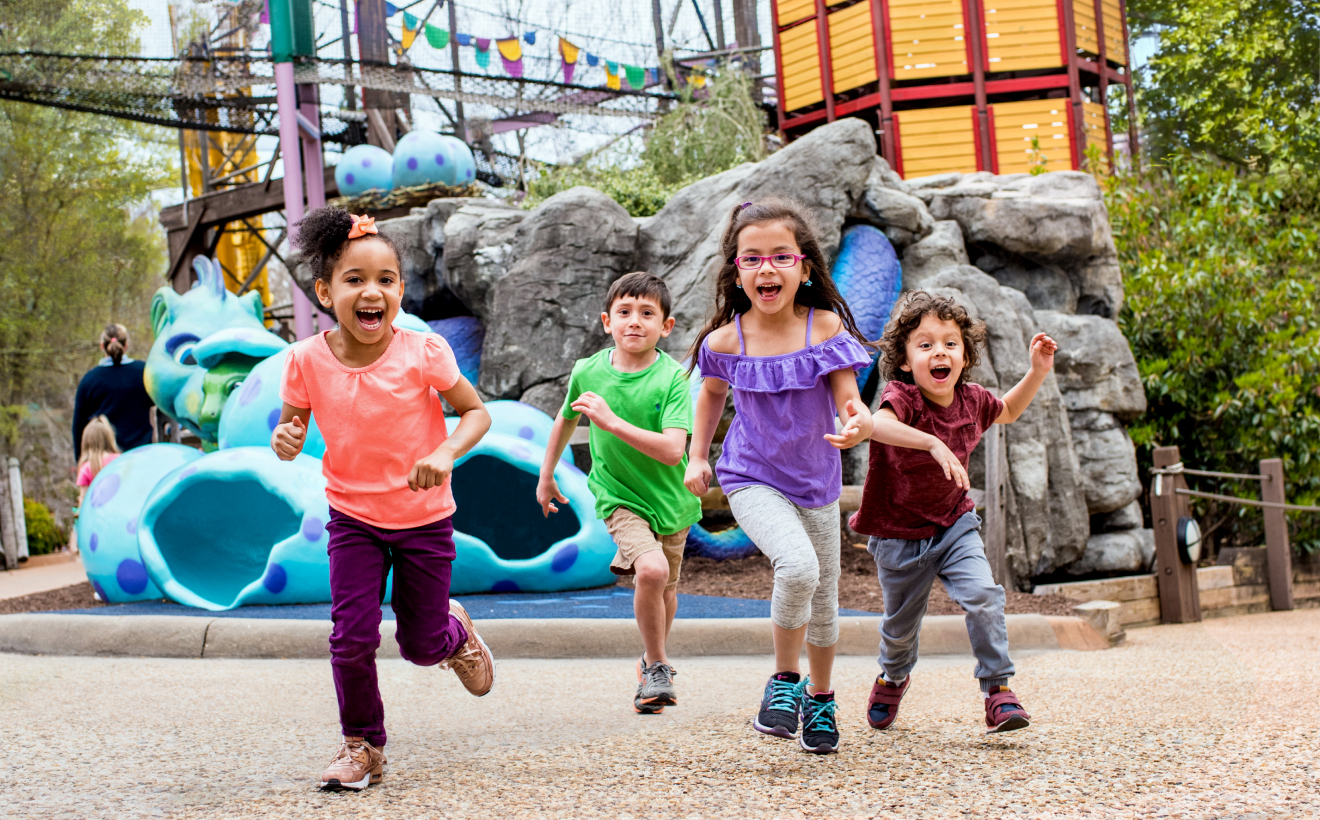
<point>745,206</point>
<point>362,225</point>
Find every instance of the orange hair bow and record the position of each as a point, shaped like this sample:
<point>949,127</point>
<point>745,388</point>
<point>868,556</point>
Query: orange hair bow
<point>362,225</point>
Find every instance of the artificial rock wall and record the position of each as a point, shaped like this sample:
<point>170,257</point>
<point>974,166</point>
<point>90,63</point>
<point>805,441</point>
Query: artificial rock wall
<point>1023,253</point>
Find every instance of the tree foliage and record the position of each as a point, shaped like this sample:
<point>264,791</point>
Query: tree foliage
<point>78,242</point>
<point>1223,316</point>
<point>1236,79</point>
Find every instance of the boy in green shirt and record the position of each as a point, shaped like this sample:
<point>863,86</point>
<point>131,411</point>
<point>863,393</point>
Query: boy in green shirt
<point>640,408</point>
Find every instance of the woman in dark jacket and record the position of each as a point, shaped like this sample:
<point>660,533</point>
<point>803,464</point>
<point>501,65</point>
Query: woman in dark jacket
<point>114,389</point>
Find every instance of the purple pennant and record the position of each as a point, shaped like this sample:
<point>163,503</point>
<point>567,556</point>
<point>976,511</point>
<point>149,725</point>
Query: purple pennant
<point>483,43</point>
<point>568,70</point>
<point>514,68</point>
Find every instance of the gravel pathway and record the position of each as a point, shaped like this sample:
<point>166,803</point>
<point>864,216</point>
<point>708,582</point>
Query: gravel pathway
<point>1208,720</point>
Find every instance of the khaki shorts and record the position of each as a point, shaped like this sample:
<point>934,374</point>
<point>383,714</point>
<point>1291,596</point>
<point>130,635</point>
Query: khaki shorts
<point>634,536</point>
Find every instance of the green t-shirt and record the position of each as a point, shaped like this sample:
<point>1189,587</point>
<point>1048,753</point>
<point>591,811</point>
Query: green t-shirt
<point>653,399</point>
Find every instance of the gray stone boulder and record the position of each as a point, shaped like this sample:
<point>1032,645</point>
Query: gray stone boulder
<point>942,248</point>
<point>1123,518</point>
<point>1094,365</point>
<point>1108,461</point>
<point>543,313</point>
<point>478,251</point>
<point>886,204</point>
<point>1128,551</point>
<point>1048,522</point>
<point>826,170</point>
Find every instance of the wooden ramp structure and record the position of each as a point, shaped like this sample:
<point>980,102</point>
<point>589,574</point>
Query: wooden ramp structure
<point>1004,86</point>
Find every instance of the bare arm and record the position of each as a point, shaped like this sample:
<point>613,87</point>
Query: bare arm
<point>665,447</point>
<point>889,430</point>
<point>547,489</point>
<point>473,423</point>
<point>1019,398</point>
<point>291,433</point>
<point>853,412</point>
<point>705,418</point>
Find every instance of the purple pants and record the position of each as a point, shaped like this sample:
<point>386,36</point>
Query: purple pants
<point>361,556</point>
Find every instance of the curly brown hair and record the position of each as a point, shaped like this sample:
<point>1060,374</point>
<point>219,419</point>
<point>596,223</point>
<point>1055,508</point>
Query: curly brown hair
<point>907,315</point>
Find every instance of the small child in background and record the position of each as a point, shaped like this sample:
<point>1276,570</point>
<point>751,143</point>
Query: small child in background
<point>915,504</point>
<point>387,465</point>
<point>641,411</point>
<point>784,340</point>
<point>99,448</point>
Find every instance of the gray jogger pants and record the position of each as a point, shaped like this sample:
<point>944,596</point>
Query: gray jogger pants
<point>802,544</point>
<point>907,571</point>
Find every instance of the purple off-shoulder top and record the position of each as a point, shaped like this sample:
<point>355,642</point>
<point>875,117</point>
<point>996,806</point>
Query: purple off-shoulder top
<point>784,408</point>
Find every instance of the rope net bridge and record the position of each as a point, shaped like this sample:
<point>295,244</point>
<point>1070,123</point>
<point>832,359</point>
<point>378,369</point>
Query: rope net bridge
<point>237,94</point>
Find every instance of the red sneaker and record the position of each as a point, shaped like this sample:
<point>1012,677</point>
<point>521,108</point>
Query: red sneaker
<point>1004,712</point>
<point>882,706</point>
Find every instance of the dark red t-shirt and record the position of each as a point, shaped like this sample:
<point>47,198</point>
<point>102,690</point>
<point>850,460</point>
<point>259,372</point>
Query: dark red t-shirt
<point>906,494</point>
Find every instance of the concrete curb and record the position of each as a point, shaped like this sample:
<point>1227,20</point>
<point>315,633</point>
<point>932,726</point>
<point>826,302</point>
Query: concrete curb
<point>175,636</point>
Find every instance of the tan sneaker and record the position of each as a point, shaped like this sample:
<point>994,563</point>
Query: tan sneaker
<point>473,663</point>
<point>357,765</point>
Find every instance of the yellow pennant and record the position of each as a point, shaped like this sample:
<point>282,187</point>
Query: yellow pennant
<point>510,49</point>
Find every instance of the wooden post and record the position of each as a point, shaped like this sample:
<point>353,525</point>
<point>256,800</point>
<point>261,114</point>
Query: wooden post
<point>1277,548</point>
<point>996,504</point>
<point>1180,598</point>
<point>16,504</point>
<point>7,536</point>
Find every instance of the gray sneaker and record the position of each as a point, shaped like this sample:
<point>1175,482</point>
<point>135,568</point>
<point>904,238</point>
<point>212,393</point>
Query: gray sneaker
<point>655,687</point>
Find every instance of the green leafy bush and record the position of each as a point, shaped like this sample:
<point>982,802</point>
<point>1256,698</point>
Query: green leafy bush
<point>1223,315</point>
<point>637,189</point>
<point>43,534</point>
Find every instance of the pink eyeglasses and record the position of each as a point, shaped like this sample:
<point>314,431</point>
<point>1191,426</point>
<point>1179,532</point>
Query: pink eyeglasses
<point>779,260</point>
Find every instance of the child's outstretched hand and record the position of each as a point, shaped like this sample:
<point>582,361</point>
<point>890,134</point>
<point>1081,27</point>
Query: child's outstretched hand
<point>431,471</point>
<point>1042,352</point>
<point>547,493</point>
<point>597,409</point>
<point>953,469</point>
<point>852,433</point>
<point>288,438</point>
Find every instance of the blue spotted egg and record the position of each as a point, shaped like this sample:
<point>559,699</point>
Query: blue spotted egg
<point>364,168</point>
<point>425,157</point>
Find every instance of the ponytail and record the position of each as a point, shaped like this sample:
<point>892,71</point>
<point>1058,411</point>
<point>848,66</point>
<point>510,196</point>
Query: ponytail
<point>115,341</point>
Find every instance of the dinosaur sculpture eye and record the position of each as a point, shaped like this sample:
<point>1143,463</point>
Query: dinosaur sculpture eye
<point>180,347</point>
<point>184,354</point>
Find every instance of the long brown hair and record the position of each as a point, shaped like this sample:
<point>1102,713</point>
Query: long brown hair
<point>731,300</point>
<point>98,441</point>
<point>907,316</point>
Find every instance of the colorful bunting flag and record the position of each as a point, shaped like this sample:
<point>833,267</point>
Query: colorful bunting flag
<point>464,39</point>
<point>410,27</point>
<point>391,9</point>
<point>530,37</point>
<point>636,76</point>
<point>511,54</point>
<point>568,53</point>
<point>593,60</point>
<point>483,52</point>
<point>437,37</point>
<point>612,75</point>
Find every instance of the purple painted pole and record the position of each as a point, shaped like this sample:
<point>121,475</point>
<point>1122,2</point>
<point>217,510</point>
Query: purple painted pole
<point>286,101</point>
<point>312,158</point>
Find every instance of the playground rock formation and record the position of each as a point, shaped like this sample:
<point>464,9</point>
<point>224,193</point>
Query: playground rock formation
<point>1024,253</point>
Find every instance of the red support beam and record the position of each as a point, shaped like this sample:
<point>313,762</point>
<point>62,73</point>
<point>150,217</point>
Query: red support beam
<point>1098,5</point>
<point>779,65</point>
<point>823,55</point>
<point>1075,120</point>
<point>883,67</point>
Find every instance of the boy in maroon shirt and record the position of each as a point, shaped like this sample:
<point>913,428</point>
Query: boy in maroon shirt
<point>915,504</point>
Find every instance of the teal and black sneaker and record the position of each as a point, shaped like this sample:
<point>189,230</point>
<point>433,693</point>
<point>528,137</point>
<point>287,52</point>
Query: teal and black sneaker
<point>820,730</point>
<point>779,706</point>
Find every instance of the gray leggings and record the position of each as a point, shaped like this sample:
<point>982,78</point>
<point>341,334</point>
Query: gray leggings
<point>802,544</point>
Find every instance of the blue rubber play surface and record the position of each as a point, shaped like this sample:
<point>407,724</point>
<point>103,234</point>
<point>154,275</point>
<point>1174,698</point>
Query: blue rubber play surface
<point>606,602</point>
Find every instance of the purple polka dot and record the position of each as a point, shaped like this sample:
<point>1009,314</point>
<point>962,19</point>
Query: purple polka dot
<point>105,490</point>
<point>366,162</point>
<point>92,542</point>
<point>526,432</point>
<point>132,576</point>
<point>505,586</point>
<point>251,387</point>
<point>348,178</point>
<point>520,453</point>
<point>469,175</point>
<point>100,590</point>
<point>439,159</point>
<point>275,579</point>
<point>312,528</point>
<point>564,558</point>
<point>412,163</point>
<point>273,420</point>
<point>131,527</point>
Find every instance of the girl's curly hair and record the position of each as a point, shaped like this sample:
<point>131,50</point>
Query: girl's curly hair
<point>323,235</point>
<point>907,316</point>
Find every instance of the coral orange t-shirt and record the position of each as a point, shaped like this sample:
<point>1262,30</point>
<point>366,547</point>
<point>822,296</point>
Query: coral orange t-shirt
<point>377,421</point>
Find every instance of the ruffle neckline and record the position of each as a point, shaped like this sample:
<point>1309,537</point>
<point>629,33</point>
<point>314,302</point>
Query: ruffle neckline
<point>799,370</point>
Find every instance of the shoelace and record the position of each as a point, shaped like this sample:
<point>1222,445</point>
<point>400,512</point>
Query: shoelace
<point>350,751</point>
<point>822,716</point>
<point>463,661</point>
<point>784,695</point>
<point>659,673</point>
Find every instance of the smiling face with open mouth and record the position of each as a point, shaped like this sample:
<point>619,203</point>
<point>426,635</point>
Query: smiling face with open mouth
<point>364,293</point>
<point>935,358</point>
<point>769,288</point>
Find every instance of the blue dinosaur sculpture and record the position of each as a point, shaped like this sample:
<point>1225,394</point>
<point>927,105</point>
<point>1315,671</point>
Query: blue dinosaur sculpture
<point>207,340</point>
